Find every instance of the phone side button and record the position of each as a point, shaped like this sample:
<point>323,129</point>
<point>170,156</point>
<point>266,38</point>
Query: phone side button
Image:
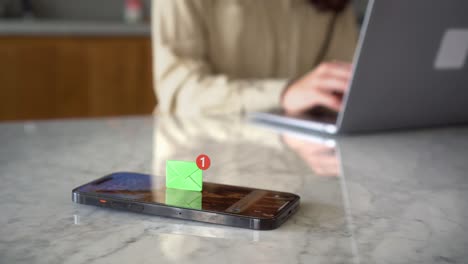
<point>136,207</point>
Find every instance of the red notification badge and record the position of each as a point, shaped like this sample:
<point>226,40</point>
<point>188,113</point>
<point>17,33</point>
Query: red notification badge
<point>203,162</point>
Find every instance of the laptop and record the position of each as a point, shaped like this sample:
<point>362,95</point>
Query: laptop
<point>410,70</point>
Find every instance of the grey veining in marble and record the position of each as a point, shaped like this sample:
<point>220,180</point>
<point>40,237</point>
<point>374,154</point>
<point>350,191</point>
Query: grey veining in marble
<point>385,198</point>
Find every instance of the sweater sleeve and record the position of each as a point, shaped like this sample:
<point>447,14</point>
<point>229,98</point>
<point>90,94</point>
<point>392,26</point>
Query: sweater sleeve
<point>344,38</point>
<point>185,82</point>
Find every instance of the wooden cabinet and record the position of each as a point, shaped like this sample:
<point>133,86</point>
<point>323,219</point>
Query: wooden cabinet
<point>60,77</point>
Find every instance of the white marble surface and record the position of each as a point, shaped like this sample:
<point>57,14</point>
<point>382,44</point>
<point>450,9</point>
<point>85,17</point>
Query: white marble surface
<point>386,198</point>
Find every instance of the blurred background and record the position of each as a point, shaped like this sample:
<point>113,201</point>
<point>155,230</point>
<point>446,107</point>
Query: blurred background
<point>71,59</point>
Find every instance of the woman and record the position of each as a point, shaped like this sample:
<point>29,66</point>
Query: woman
<point>224,56</point>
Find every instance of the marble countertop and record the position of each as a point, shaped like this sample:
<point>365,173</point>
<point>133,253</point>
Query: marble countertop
<point>17,27</point>
<point>398,197</point>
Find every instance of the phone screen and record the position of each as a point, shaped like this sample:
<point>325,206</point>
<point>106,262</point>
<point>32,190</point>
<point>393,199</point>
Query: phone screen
<point>214,197</point>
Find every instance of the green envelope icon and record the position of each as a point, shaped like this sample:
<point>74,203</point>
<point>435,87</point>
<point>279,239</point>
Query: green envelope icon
<point>184,175</point>
<point>183,198</point>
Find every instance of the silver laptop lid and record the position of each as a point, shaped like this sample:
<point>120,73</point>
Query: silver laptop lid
<point>410,67</point>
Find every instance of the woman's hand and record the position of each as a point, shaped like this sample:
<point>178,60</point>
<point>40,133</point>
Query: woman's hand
<point>323,160</point>
<point>324,86</point>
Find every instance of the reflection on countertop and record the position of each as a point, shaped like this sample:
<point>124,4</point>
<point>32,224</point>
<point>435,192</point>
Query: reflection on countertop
<point>384,198</point>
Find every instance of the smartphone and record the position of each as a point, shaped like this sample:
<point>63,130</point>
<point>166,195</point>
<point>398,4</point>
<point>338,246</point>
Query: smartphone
<point>218,203</point>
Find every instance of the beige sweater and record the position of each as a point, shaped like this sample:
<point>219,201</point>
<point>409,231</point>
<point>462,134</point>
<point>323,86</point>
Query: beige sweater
<point>231,56</point>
